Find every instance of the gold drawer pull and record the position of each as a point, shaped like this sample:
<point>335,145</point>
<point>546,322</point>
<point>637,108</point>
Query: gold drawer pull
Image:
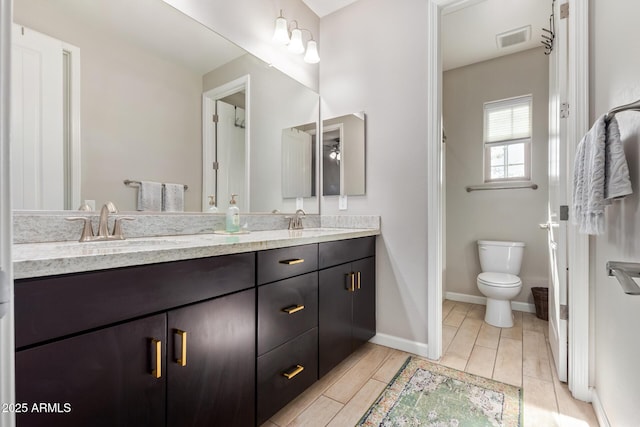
<point>182,361</point>
<point>157,371</point>
<point>293,309</point>
<point>292,261</point>
<point>296,371</point>
<point>352,284</point>
<point>358,275</point>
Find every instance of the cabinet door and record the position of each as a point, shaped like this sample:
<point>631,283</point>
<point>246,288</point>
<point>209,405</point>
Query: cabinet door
<point>216,384</point>
<point>105,377</point>
<point>334,320</point>
<point>364,301</point>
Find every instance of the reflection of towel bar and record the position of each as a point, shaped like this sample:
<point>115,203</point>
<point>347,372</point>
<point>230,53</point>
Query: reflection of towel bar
<point>624,271</point>
<point>131,183</point>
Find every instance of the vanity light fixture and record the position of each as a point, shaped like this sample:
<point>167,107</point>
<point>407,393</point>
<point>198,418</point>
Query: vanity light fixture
<point>293,39</point>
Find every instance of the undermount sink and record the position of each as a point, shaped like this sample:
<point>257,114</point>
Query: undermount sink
<point>118,244</point>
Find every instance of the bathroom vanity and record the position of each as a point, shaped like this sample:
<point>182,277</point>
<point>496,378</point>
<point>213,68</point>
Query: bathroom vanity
<point>205,330</point>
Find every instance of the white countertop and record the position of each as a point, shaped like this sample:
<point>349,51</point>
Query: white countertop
<point>53,258</point>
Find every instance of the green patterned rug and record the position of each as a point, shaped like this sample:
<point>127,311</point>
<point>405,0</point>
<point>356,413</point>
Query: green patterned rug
<point>426,394</point>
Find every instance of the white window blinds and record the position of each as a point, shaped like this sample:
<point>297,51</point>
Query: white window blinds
<point>507,120</point>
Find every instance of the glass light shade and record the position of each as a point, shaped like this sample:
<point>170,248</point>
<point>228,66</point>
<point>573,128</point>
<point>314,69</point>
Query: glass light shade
<point>281,33</point>
<point>312,56</point>
<point>295,45</point>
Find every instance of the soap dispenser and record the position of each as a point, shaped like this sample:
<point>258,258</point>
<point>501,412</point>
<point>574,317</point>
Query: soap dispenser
<point>212,205</point>
<point>233,216</point>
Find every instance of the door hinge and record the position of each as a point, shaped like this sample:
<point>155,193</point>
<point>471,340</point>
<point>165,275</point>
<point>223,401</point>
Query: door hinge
<point>215,166</point>
<point>564,312</point>
<point>564,110</point>
<point>564,10</point>
<point>215,118</point>
<point>564,213</point>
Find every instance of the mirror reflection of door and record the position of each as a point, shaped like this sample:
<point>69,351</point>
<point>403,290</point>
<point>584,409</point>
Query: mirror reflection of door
<point>332,137</point>
<point>230,151</point>
<point>42,122</point>
<point>298,161</point>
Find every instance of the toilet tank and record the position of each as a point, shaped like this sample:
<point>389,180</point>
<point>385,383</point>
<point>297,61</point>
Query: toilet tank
<point>500,257</point>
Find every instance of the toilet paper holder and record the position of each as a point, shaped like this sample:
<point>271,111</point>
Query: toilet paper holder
<point>624,271</point>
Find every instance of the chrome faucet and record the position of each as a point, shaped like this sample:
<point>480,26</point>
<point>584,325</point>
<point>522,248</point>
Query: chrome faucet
<point>103,225</point>
<point>295,222</point>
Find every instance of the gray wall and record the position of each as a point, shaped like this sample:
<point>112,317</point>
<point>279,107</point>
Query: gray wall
<point>494,214</point>
<point>615,61</point>
<point>384,74</point>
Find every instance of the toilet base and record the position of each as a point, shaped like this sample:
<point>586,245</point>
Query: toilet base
<point>499,313</point>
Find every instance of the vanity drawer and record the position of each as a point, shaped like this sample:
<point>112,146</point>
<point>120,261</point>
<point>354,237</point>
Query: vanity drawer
<point>276,264</point>
<point>286,309</point>
<point>275,390</point>
<point>342,251</point>
<point>52,307</point>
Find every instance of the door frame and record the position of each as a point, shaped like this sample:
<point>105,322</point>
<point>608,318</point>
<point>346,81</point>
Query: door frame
<point>578,245</point>
<point>209,99</point>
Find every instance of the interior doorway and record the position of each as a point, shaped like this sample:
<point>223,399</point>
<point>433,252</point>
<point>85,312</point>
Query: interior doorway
<point>226,129</point>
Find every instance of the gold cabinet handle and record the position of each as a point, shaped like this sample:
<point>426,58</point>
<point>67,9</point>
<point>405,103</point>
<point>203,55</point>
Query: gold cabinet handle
<point>352,283</point>
<point>293,261</point>
<point>182,361</point>
<point>294,372</point>
<point>293,309</point>
<point>157,345</point>
<point>358,279</point>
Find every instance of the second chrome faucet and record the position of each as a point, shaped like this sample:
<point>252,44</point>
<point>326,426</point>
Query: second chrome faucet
<point>103,225</point>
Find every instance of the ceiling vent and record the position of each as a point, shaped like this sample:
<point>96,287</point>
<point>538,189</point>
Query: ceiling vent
<point>513,37</point>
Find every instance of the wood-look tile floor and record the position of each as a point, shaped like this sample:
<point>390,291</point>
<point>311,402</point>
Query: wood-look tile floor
<point>519,356</point>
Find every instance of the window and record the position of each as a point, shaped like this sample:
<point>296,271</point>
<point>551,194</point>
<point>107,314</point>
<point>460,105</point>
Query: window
<point>507,139</point>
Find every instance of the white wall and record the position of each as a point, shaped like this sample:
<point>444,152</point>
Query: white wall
<point>615,80</point>
<point>250,24</point>
<point>494,214</point>
<point>383,73</point>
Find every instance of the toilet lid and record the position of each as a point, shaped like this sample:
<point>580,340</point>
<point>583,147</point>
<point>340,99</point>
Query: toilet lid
<point>499,279</point>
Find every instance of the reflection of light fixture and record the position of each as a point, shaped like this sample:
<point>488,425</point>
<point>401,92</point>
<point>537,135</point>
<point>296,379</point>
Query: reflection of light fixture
<point>294,40</point>
<point>334,152</point>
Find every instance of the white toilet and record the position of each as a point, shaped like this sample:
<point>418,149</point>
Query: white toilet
<point>499,281</point>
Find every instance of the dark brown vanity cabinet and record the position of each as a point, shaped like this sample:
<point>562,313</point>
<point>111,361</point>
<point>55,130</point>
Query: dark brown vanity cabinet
<point>102,378</point>
<point>287,326</point>
<point>191,364</point>
<point>347,298</point>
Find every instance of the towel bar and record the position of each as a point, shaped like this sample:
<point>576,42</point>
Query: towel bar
<point>624,271</point>
<point>471,188</point>
<point>129,183</point>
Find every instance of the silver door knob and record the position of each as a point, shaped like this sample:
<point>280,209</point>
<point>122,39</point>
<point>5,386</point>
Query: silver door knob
<point>544,226</point>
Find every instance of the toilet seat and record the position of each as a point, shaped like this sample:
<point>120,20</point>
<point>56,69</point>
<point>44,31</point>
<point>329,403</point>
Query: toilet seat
<point>499,280</point>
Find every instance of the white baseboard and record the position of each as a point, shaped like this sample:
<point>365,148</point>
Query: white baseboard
<point>474,299</point>
<point>400,344</point>
<point>599,409</point>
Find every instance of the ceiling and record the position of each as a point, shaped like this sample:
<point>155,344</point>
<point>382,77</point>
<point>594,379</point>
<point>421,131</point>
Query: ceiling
<point>325,7</point>
<point>469,27</point>
<point>469,33</point>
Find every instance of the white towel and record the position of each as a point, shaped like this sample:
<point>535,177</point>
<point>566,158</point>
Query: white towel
<point>600,175</point>
<point>150,196</point>
<point>173,197</point>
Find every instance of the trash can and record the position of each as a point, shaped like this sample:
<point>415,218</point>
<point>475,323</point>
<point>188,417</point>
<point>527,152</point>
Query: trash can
<point>541,300</point>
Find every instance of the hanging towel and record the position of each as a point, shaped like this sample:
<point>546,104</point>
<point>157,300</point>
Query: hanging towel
<point>173,197</point>
<point>150,196</point>
<point>600,175</point>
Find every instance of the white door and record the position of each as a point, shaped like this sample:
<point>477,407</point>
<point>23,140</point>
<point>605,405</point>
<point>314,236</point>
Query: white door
<point>558,196</point>
<point>37,133</point>
<point>230,155</point>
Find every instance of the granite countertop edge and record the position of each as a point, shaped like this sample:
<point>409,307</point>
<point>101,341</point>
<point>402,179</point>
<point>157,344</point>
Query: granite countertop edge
<point>32,260</point>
